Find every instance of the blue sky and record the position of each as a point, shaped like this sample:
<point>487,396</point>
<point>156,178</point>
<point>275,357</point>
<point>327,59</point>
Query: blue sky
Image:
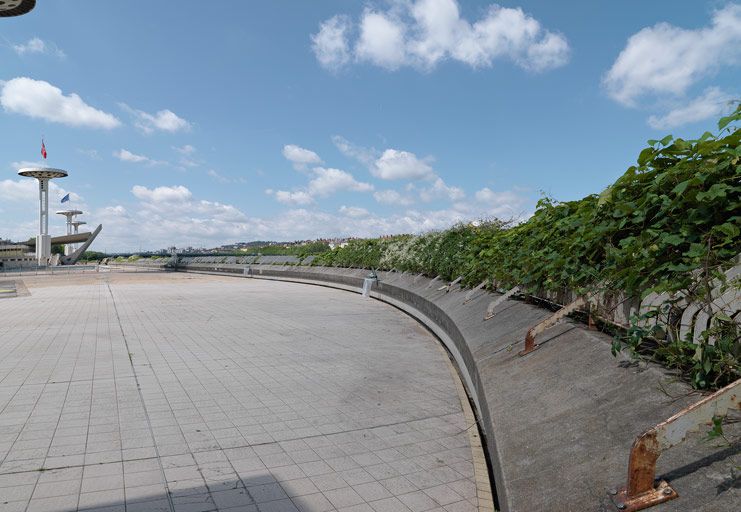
<point>291,120</point>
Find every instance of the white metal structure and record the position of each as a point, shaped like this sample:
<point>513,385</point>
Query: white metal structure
<point>70,214</point>
<point>43,240</point>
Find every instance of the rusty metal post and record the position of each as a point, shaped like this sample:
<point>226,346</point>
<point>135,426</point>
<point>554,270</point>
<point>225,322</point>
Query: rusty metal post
<point>640,492</point>
<point>530,344</point>
<point>472,292</point>
<point>493,304</point>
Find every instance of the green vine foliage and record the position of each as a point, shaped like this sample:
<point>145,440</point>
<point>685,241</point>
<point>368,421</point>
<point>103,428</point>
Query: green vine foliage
<point>670,223</point>
<point>677,212</point>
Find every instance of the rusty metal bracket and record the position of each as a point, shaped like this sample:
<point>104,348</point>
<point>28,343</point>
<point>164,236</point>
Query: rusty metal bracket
<point>640,492</point>
<point>493,304</point>
<point>530,344</point>
<point>472,292</point>
<point>447,287</point>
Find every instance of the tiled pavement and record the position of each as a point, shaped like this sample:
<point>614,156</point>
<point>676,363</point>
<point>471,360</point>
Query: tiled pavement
<point>193,393</point>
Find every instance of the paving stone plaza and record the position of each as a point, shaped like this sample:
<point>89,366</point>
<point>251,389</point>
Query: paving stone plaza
<point>182,392</point>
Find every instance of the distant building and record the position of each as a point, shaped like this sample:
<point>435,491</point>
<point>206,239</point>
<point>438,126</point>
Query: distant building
<point>16,255</point>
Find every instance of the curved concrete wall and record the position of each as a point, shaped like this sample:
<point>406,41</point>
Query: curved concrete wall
<point>559,422</point>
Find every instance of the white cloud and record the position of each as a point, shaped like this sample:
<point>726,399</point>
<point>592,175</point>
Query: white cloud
<point>41,100</point>
<point>329,181</point>
<point>381,40</point>
<point>27,190</point>
<point>401,165</point>
<point>440,189</point>
<point>187,156</point>
<point>325,182</point>
<point>92,154</point>
<point>162,120</point>
<point>665,59</point>
<point>300,197</point>
<point>175,217</point>
<point>300,157</point>
<point>354,211</point>
<point>392,197</point>
<point>424,33</point>
<point>220,178</point>
<point>36,45</point>
<point>330,44</point>
<point>127,156</point>
<point>712,103</point>
<point>169,195</point>
<point>347,148</point>
<point>185,150</point>
<point>16,166</point>
<point>504,205</point>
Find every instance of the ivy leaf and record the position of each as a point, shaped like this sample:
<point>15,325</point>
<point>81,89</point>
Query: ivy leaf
<point>672,239</point>
<point>645,155</point>
<point>714,192</point>
<point>696,250</point>
<point>679,189</point>
<point>723,122</point>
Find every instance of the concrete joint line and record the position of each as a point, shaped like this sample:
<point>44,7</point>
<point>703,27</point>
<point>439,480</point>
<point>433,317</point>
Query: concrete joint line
<point>141,397</point>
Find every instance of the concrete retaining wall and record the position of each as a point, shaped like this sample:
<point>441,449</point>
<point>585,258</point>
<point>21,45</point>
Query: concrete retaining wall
<point>559,422</point>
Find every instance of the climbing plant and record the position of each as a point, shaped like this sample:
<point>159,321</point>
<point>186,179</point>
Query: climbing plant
<point>670,224</point>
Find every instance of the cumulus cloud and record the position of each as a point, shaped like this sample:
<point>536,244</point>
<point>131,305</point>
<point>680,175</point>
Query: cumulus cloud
<point>324,182</point>
<point>712,103</point>
<point>328,181</point>
<point>300,157</point>
<point>392,197</point>
<point>440,189</point>
<point>175,194</point>
<point>163,120</point>
<point>41,100</point>
<point>381,40</point>
<point>38,46</point>
<point>665,59</point>
<point>16,166</point>
<point>347,148</point>
<point>391,164</point>
<point>187,156</point>
<point>354,211</point>
<point>186,149</point>
<point>423,33</point>
<point>166,216</point>
<point>299,197</point>
<point>127,156</point>
<point>330,44</point>
<point>394,164</point>
<point>170,215</point>
<point>27,190</point>
<point>507,204</point>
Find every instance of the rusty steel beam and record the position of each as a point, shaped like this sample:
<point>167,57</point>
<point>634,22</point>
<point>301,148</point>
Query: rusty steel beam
<point>469,296</point>
<point>530,344</point>
<point>493,304</point>
<point>640,492</point>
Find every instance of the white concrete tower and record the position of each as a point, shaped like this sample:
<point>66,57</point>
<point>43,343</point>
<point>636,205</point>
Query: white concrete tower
<point>43,240</point>
<point>76,226</point>
<point>70,214</point>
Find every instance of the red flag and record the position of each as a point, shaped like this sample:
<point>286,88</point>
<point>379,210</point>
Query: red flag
<point>43,149</point>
